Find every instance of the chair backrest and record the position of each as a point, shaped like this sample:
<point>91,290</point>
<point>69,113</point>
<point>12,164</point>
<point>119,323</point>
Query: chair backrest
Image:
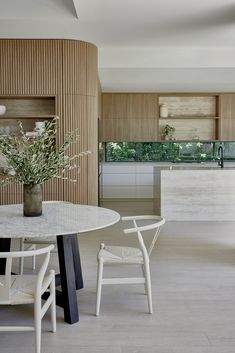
<point>156,224</point>
<point>6,280</point>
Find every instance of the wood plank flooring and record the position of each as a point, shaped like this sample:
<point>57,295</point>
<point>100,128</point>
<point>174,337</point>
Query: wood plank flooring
<point>193,280</point>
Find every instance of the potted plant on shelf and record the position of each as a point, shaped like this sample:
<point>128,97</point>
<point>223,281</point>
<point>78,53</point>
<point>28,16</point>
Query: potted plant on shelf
<point>168,132</point>
<point>34,159</point>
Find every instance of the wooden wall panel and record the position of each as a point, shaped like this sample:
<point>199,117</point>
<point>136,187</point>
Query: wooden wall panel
<point>54,189</point>
<point>114,106</point>
<point>130,106</point>
<point>99,105</point>
<point>74,67</point>
<point>129,117</point>
<point>74,116</point>
<point>67,70</point>
<point>47,60</point>
<point>92,143</point>
<point>11,194</point>
<point>92,70</point>
<point>30,67</point>
<point>227,114</point>
<point>129,130</point>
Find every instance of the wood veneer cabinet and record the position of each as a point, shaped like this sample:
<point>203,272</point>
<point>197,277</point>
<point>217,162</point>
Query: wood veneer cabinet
<point>227,114</point>
<point>66,71</point>
<point>135,116</point>
<point>129,117</point>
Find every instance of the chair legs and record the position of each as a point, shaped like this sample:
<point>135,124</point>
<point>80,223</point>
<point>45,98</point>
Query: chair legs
<point>38,327</point>
<point>99,286</point>
<point>39,312</point>
<point>148,287</point>
<point>53,305</point>
<point>147,284</point>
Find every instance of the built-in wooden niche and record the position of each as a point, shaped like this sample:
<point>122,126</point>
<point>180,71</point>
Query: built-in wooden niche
<point>27,109</point>
<point>192,116</point>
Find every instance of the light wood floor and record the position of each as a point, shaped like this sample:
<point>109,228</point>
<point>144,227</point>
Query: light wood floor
<point>193,279</point>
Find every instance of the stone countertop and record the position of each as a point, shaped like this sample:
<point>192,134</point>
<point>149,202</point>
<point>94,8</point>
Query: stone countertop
<point>166,168</point>
<point>174,166</point>
<point>194,167</point>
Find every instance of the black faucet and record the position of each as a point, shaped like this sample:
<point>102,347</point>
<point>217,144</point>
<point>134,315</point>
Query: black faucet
<point>221,157</point>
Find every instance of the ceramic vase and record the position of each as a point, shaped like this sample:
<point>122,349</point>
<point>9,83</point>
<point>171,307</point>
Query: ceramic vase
<point>32,200</point>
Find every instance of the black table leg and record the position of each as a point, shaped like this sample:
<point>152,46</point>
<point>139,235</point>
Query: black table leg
<point>5,246</point>
<point>77,262</point>
<point>68,279</point>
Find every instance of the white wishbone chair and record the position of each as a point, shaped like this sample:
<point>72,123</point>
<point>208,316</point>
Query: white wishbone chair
<point>129,255</point>
<point>28,289</point>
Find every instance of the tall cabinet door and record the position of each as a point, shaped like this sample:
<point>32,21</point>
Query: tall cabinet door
<point>129,117</point>
<point>227,115</point>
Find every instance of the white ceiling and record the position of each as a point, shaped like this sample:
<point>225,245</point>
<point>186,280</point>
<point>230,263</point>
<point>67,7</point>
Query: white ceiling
<point>141,42</point>
<point>37,9</point>
<point>157,23</point>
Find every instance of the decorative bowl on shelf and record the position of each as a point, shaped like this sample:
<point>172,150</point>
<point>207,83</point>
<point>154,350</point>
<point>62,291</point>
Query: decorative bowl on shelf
<point>2,109</point>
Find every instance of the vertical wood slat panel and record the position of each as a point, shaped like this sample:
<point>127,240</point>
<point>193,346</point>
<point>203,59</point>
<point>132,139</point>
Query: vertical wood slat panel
<point>74,117</point>
<point>53,189</point>
<point>227,115</point>
<point>99,111</point>
<point>74,67</point>
<point>59,68</point>
<point>30,67</point>
<point>92,141</point>
<point>92,124</point>
<point>92,70</point>
<point>11,194</point>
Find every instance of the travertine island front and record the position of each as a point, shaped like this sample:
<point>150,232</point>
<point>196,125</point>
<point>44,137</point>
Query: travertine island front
<point>195,193</point>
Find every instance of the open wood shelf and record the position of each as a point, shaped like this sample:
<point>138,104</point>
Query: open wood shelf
<point>195,117</point>
<point>13,117</point>
<point>190,141</point>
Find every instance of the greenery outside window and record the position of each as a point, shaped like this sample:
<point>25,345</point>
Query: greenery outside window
<point>169,151</point>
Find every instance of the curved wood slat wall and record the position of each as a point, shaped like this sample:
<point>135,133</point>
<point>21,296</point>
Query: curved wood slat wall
<point>67,70</point>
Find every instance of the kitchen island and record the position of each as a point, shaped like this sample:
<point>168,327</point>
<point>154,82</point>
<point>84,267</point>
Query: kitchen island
<point>190,193</point>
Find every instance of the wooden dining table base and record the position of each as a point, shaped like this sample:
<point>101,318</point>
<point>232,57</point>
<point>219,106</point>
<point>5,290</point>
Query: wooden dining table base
<point>70,276</point>
<point>5,246</point>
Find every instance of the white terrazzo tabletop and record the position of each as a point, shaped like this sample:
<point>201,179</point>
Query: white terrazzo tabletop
<point>57,219</point>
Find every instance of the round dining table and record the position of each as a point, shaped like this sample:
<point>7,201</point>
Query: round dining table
<point>64,221</point>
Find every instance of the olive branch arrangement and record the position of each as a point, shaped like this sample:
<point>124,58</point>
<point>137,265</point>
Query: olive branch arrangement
<point>34,160</point>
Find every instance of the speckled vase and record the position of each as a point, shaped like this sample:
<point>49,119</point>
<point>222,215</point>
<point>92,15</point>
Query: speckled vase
<point>32,200</point>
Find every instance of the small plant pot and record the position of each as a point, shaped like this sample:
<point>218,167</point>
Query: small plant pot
<point>32,200</point>
<point>169,137</point>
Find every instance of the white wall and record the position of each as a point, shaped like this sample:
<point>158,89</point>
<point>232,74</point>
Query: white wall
<point>167,79</point>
